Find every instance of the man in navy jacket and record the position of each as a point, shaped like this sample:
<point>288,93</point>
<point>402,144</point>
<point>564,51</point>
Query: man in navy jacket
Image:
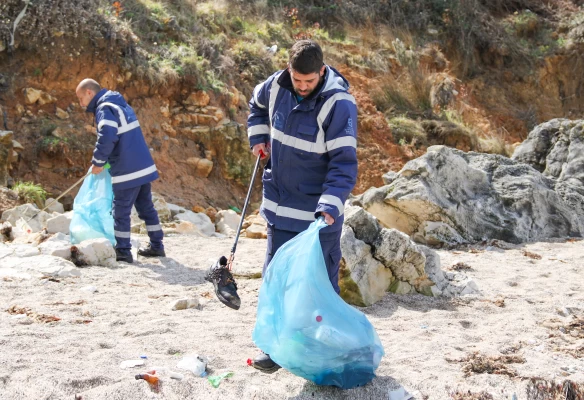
<point>121,143</point>
<point>305,117</point>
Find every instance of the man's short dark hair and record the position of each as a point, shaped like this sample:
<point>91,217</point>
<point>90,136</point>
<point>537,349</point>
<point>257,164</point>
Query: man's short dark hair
<point>306,57</point>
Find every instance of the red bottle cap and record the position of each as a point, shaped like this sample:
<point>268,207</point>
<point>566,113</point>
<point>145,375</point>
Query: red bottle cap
<point>318,318</point>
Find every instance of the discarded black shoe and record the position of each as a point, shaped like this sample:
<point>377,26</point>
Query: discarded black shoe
<point>124,256</point>
<point>225,286</point>
<point>264,363</point>
<point>150,252</point>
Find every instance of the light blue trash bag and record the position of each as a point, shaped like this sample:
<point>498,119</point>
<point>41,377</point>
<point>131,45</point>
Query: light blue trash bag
<point>305,326</point>
<point>92,210</point>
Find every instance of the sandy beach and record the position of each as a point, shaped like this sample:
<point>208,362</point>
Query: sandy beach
<point>530,295</point>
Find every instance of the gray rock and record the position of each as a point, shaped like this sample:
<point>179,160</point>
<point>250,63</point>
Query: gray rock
<point>56,248</point>
<point>97,252</point>
<point>54,206</point>
<point>364,280</point>
<point>226,222</point>
<point>164,214</point>
<point>183,304</point>
<point>60,223</point>
<point>24,250</point>
<point>26,211</point>
<point>364,225</point>
<point>175,210</point>
<point>42,265</point>
<point>397,252</point>
<point>59,237</point>
<point>200,220</point>
<point>389,177</point>
<point>451,197</point>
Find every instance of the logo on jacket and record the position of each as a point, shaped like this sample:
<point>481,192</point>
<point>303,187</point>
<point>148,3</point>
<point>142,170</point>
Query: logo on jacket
<point>349,128</point>
<point>279,121</point>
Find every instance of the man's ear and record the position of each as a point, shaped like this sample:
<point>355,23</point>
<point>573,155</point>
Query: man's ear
<point>322,70</point>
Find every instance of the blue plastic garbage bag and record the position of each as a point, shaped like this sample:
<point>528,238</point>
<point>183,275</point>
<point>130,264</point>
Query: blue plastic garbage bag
<point>305,326</point>
<point>92,210</point>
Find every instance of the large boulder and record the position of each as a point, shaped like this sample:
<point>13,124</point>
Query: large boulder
<point>175,210</point>
<point>555,148</point>
<point>26,211</point>
<point>363,280</point>
<point>449,197</point>
<point>388,260</point>
<point>96,252</point>
<point>200,220</point>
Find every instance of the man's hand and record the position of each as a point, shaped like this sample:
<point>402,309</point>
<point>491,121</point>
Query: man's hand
<point>96,170</point>
<point>263,147</point>
<point>328,218</point>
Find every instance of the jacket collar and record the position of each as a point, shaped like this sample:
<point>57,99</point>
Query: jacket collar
<point>91,107</point>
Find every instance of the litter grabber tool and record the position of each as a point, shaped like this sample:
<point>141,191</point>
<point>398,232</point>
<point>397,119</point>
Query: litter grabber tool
<point>23,224</point>
<point>220,272</point>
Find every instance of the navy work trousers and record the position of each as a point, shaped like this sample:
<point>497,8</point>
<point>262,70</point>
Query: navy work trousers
<point>331,250</point>
<point>141,197</point>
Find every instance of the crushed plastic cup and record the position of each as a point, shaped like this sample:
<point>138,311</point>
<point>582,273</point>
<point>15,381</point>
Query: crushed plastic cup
<point>131,363</point>
<point>194,363</point>
<point>215,381</point>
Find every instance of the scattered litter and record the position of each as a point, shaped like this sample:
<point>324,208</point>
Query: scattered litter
<point>164,372</point>
<point>152,380</point>
<point>131,363</point>
<point>215,381</point>
<point>194,363</point>
<point>144,357</point>
<point>400,394</point>
<point>423,326</point>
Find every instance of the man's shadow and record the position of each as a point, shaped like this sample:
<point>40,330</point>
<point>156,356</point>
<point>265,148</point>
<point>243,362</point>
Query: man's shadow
<point>378,388</point>
<point>173,272</point>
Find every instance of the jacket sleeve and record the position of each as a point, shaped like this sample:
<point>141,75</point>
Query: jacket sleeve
<point>258,121</point>
<point>107,136</point>
<point>341,143</point>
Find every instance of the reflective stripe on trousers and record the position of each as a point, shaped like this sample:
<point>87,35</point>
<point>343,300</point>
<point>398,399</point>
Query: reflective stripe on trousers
<point>141,197</point>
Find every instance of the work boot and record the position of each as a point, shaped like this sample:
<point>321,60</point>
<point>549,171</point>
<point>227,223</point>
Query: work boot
<point>124,256</point>
<point>264,363</point>
<point>225,286</point>
<point>150,252</point>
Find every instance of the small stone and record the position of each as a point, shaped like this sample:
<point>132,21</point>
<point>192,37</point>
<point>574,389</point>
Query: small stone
<point>61,114</point>
<point>31,95</point>
<point>183,304</point>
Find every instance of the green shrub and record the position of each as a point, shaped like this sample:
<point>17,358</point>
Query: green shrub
<point>407,131</point>
<point>30,192</point>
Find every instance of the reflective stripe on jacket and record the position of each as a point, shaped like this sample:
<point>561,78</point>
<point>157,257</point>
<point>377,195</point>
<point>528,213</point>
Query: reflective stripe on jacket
<point>313,161</point>
<point>120,141</point>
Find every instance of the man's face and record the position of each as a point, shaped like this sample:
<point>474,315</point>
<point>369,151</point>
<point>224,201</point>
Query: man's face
<point>304,84</point>
<point>85,96</point>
